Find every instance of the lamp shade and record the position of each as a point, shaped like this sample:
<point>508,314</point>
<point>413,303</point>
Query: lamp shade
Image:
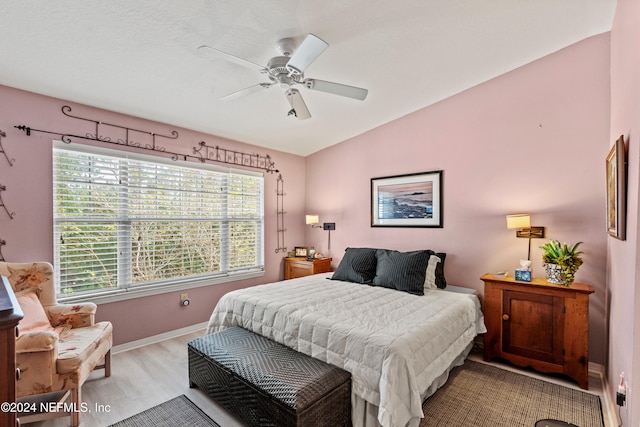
<point>519,221</point>
<point>311,219</point>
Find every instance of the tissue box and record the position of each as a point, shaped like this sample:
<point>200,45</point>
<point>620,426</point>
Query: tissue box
<point>523,275</point>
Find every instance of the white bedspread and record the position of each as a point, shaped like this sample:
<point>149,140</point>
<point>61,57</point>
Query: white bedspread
<point>393,343</point>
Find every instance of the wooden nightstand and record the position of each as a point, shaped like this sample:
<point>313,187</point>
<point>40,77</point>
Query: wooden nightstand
<point>538,324</point>
<point>299,267</point>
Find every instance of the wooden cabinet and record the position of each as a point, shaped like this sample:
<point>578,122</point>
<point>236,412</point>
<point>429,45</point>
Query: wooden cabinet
<point>300,267</point>
<point>538,324</point>
<point>10,315</point>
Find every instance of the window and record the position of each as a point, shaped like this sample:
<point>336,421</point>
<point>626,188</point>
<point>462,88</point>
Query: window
<point>125,221</point>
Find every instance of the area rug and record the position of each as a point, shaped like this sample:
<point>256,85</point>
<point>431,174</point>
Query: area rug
<point>179,411</point>
<point>481,395</point>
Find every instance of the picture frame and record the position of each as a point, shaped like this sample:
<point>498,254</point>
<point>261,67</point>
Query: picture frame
<point>616,190</point>
<point>411,200</point>
<point>301,251</point>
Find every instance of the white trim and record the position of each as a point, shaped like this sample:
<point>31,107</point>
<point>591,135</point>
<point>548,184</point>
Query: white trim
<point>609,407</point>
<point>131,293</point>
<point>158,338</point>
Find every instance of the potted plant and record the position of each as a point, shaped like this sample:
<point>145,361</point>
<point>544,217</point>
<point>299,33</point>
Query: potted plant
<point>561,261</point>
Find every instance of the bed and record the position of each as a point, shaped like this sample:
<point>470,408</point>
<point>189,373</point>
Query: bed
<point>398,346</point>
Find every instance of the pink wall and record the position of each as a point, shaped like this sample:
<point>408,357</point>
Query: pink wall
<point>622,274</point>
<point>533,140</point>
<point>29,195</point>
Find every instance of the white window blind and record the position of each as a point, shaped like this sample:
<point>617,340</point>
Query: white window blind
<point>124,221</point>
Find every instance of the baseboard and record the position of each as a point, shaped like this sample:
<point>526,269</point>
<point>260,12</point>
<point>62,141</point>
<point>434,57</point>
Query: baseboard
<point>157,338</point>
<point>609,408</point>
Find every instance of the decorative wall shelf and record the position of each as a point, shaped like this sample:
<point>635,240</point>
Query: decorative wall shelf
<point>11,214</point>
<point>11,161</point>
<point>280,213</point>
<point>130,137</point>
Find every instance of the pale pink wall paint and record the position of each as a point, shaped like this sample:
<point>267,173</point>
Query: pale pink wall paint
<point>623,256</point>
<point>529,141</point>
<point>29,194</point>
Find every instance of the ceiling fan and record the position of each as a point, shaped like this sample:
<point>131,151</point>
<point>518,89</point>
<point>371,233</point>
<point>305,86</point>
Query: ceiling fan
<point>287,71</point>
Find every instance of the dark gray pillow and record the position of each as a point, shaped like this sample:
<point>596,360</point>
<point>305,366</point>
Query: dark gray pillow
<point>441,282</point>
<point>404,271</point>
<point>358,265</point>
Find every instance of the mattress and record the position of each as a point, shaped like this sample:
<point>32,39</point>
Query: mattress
<point>394,344</point>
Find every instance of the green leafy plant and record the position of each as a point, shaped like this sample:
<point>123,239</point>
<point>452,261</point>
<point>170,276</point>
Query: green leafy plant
<point>566,256</point>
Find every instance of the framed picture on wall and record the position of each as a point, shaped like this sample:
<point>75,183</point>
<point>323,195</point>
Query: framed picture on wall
<point>616,190</point>
<point>413,200</point>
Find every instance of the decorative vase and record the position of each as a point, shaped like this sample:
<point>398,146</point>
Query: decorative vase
<point>554,273</point>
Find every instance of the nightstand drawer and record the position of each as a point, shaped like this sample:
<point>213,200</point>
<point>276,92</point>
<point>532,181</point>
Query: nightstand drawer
<point>300,267</point>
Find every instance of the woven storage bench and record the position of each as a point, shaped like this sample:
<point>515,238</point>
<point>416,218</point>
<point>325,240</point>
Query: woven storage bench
<point>268,384</point>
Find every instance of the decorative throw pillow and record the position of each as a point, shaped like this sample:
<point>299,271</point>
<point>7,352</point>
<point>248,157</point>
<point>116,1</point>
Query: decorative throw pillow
<point>35,319</point>
<point>404,271</point>
<point>430,277</point>
<point>358,265</point>
<point>441,282</point>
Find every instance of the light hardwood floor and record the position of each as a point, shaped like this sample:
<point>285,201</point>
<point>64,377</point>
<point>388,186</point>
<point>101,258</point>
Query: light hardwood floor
<point>147,376</point>
<point>142,378</point>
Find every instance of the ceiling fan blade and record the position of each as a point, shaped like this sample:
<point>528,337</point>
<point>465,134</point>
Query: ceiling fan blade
<point>298,107</point>
<point>213,53</point>
<point>246,91</point>
<point>308,51</point>
<point>336,88</point>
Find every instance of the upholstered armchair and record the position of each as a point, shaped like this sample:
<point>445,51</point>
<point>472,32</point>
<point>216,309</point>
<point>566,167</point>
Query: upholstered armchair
<point>58,344</point>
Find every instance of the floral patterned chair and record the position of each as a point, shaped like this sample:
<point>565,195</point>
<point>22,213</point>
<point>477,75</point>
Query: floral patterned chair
<point>58,344</point>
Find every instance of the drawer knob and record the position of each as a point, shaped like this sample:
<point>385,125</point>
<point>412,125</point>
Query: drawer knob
<point>17,374</point>
<point>505,317</point>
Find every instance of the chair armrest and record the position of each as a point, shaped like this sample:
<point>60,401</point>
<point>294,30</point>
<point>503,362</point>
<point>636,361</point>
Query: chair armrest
<point>72,315</point>
<point>31,342</point>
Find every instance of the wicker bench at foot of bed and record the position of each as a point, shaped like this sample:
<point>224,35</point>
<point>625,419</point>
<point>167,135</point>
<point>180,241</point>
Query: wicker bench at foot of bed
<point>268,384</point>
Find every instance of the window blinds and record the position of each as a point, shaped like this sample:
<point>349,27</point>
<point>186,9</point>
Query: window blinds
<point>122,222</point>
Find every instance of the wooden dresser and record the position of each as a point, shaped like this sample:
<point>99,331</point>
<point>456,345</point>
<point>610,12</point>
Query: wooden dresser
<point>10,315</point>
<point>538,324</point>
<point>300,267</point>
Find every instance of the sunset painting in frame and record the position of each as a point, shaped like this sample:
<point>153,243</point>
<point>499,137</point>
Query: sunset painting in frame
<point>413,200</point>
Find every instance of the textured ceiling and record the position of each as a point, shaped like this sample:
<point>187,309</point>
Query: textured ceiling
<point>139,57</point>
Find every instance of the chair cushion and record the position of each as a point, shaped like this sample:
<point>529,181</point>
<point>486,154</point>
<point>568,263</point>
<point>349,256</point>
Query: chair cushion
<point>78,344</point>
<point>35,319</point>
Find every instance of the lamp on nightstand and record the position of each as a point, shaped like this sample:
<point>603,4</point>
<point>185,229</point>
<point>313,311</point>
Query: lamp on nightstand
<point>313,220</point>
<point>522,224</point>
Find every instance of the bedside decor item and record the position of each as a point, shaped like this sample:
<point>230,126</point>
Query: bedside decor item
<point>522,224</point>
<point>413,200</point>
<point>523,275</point>
<point>616,190</point>
<point>301,251</point>
<point>561,262</point>
<point>313,219</point>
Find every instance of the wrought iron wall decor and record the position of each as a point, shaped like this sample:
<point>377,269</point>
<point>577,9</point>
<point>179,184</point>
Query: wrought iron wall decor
<point>11,214</point>
<point>202,152</point>
<point>11,161</point>
<point>280,213</point>
<point>2,243</point>
<point>218,154</point>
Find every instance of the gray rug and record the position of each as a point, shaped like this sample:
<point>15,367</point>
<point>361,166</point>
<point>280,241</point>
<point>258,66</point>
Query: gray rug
<point>480,395</point>
<point>179,411</point>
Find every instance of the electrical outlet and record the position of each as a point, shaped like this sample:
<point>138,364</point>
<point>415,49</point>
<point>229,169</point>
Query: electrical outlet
<point>621,395</point>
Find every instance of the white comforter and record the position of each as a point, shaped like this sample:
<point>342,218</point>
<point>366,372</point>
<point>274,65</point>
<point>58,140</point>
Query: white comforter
<point>393,343</point>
